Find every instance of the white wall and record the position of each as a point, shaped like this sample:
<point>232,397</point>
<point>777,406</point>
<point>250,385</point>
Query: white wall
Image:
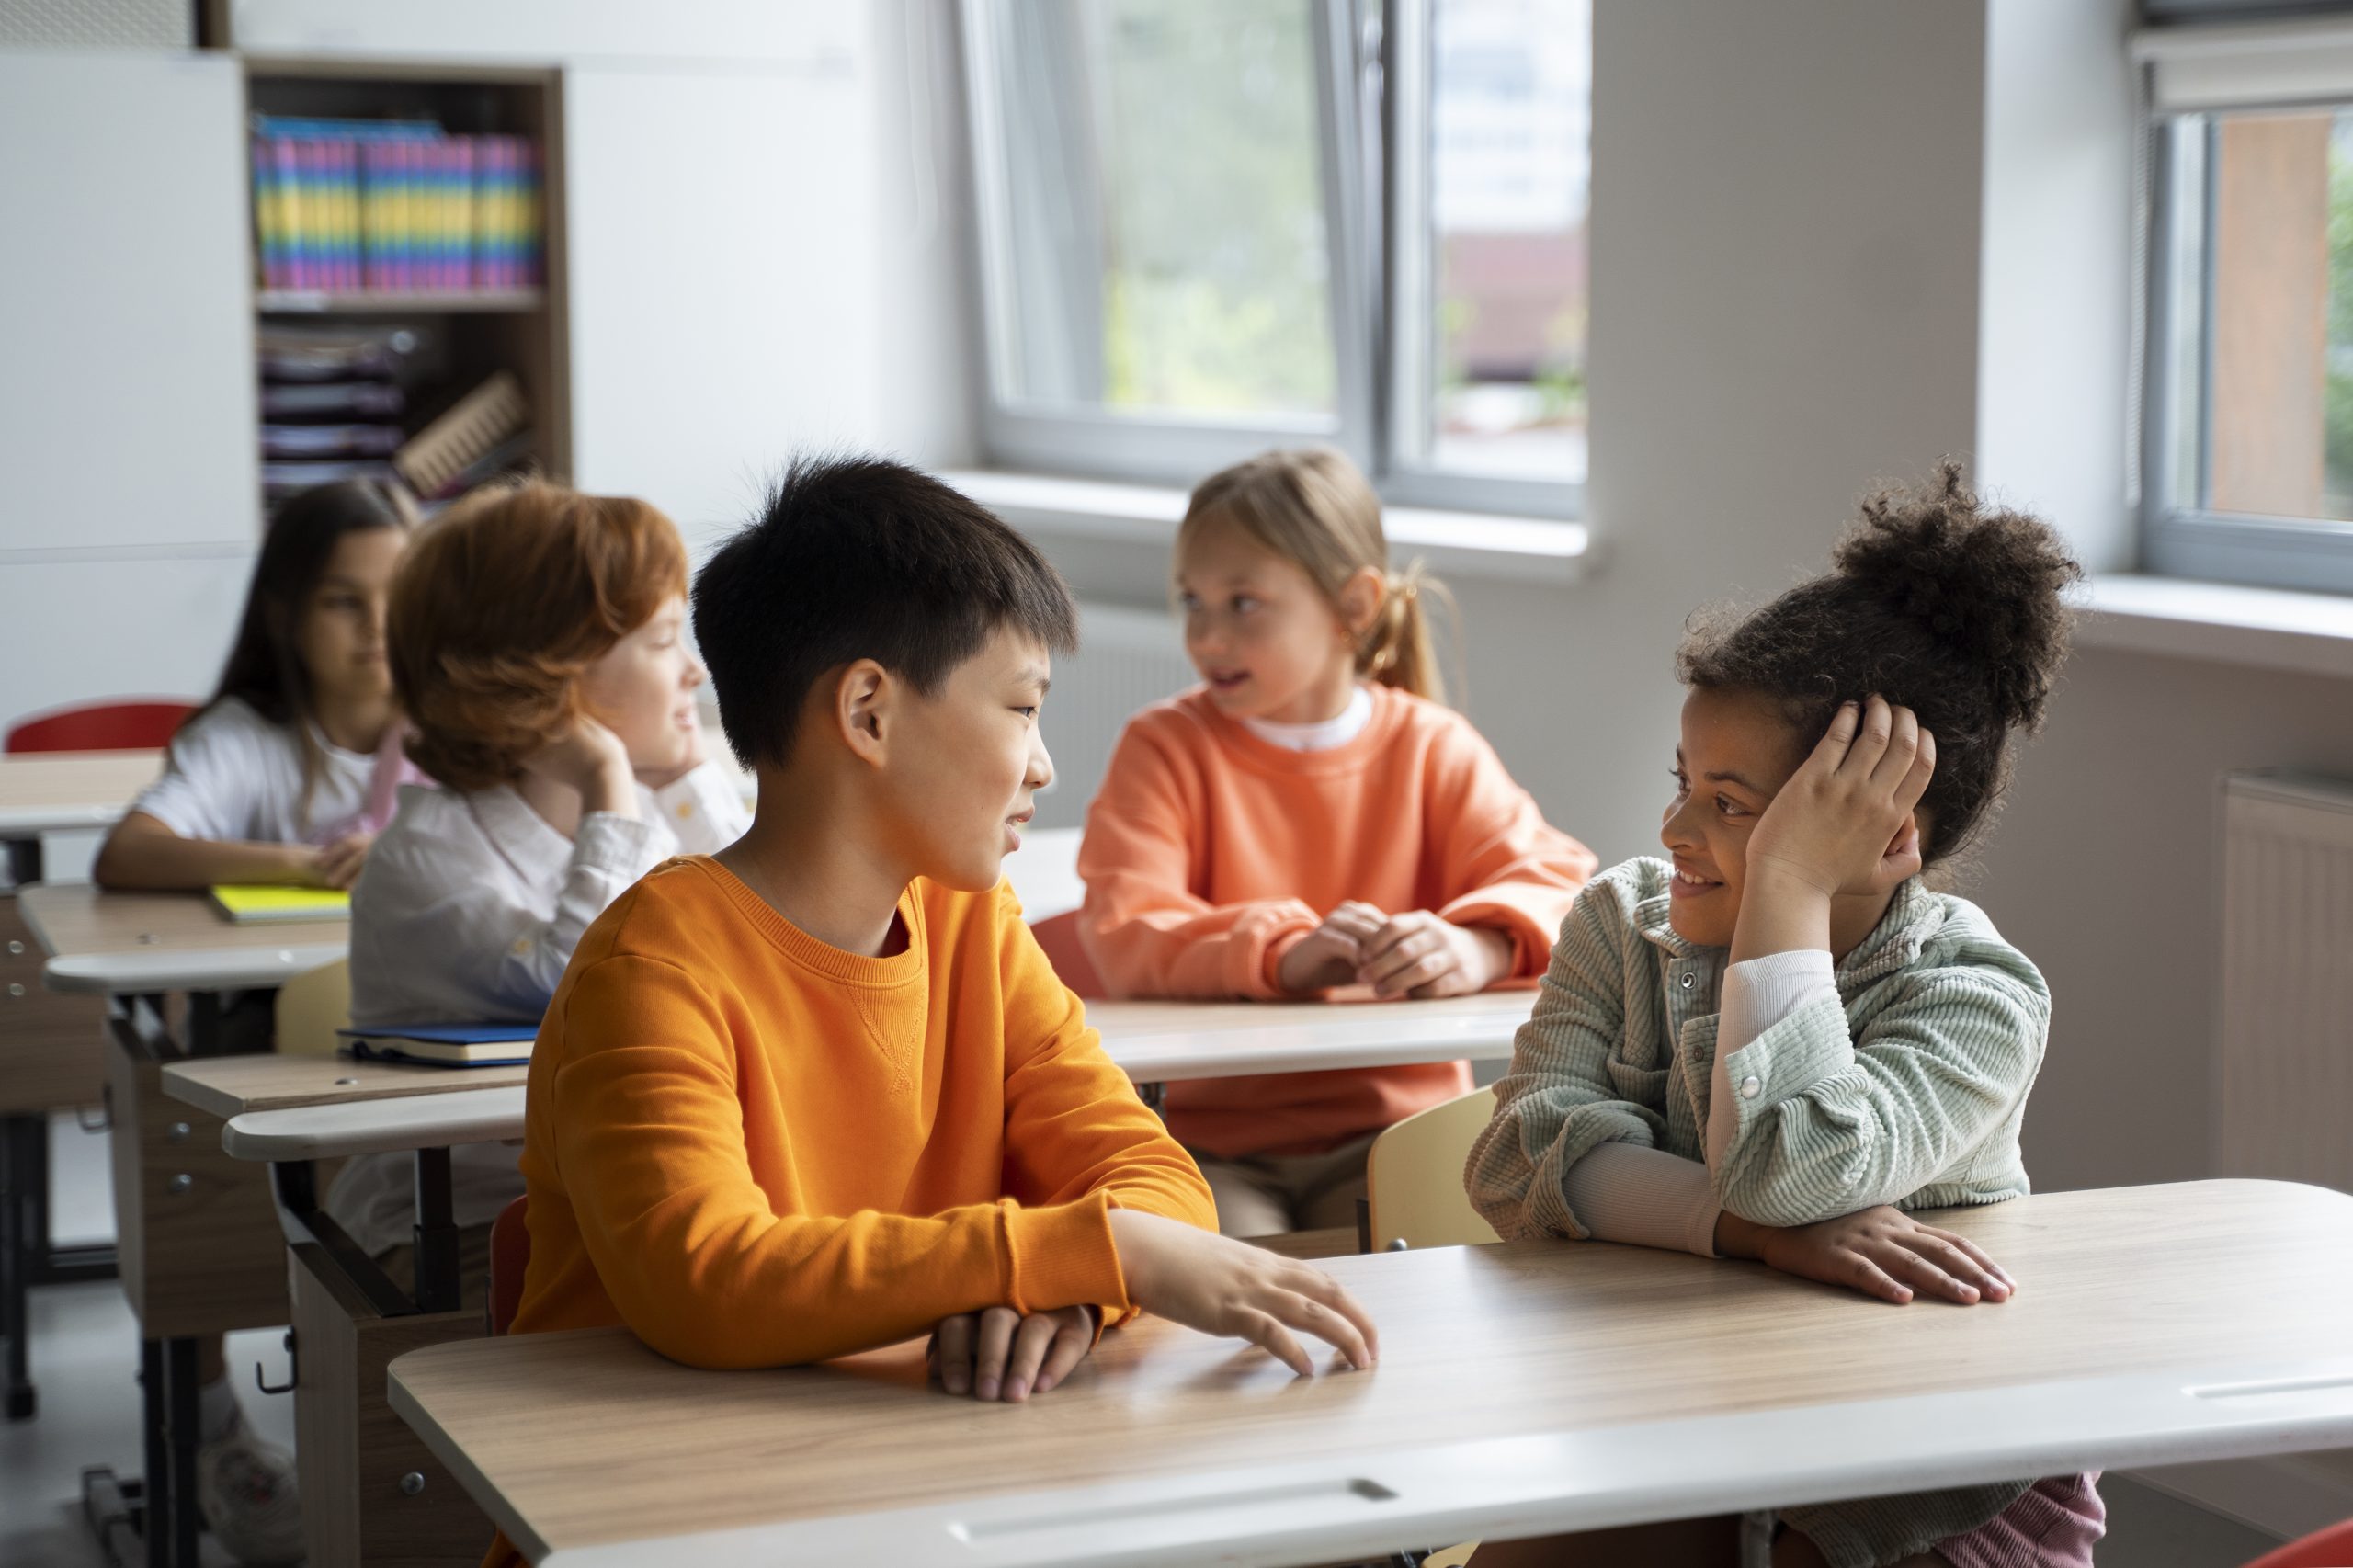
<point>2054,297</point>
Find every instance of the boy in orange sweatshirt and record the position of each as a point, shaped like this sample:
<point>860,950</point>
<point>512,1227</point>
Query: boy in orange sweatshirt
<point>821,1092</point>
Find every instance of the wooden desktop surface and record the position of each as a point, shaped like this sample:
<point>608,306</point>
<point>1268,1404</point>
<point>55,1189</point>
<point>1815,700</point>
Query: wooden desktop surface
<point>1544,1356</point>
<point>130,942</point>
<point>1156,1041</point>
<point>50,792</point>
<point>232,1086</point>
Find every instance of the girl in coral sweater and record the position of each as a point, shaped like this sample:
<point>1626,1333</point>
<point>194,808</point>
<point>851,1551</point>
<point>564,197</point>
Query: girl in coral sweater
<point>1310,817</point>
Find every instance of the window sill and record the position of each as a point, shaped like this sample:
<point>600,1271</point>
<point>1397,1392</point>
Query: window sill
<point>1455,544</point>
<point>2220,622</point>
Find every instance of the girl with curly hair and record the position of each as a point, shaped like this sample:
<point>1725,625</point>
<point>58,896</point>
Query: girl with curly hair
<point>1782,1039</point>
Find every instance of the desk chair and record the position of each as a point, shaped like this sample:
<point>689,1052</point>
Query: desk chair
<point>2330,1548</point>
<point>510,1256</point>
<point>1414,1177</point>
<point>311,1007</point>
<point>100,726</point>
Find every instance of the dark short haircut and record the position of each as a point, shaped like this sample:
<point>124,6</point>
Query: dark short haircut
<point>860,557</point>
<point>1939,602</point>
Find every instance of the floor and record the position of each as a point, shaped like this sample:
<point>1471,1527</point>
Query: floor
<point>86,1356</point>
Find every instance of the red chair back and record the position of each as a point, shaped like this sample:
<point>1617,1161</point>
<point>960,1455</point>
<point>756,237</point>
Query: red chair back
<point>2331,1548</point>
<point>510,1256</point>
<point>100,726</point>
<point>1058,933</point>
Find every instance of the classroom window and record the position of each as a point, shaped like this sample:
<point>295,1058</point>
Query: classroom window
<point>1209,226</point>
<point>1491,130</point>
<point>2248,467</point>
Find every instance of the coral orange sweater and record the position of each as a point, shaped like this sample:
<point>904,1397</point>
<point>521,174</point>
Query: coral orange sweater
<point>1210,852</point>
<point>755,1149</point>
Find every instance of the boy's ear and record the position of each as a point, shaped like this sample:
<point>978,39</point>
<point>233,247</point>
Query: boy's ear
<point>863,696</point>
<point>1360,599</point>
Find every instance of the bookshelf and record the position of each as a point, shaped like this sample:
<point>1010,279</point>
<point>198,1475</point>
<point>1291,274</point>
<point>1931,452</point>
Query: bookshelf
<point>419,350</point>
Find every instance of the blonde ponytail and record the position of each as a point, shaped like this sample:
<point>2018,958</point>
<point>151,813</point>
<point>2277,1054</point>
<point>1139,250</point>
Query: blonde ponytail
<point>1311,506</point>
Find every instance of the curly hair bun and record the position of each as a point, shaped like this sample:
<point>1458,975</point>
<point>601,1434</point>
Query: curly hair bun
<point>1985,581</point>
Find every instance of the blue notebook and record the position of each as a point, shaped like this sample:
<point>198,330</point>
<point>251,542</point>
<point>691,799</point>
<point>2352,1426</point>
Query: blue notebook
<point>444,1045</point>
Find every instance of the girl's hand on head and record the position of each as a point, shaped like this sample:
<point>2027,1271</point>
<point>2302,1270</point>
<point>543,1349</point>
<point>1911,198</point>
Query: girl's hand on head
<point>1418,954</point>
<point>1329,955</point>
<point>1880,1251</point>
<point>1844,823</point>
<point>1000,1354</point>
<point>337,864</point>
<point>1215,1285</point>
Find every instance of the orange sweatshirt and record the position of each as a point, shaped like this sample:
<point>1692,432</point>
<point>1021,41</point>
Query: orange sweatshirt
<point>755,1149</point>
<point>1210,852</point>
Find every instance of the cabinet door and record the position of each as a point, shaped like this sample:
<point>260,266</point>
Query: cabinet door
<point>724,280</point>
<point>126,304</point>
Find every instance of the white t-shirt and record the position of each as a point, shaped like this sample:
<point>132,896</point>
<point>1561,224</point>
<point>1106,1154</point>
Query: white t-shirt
<point>1325,735</point>
<point>467,912</point>
<point>233,775</point>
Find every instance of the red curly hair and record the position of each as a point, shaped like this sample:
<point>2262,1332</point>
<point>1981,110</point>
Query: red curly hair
<point>501,604</point>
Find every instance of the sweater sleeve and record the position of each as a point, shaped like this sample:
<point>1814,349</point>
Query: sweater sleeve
<point>1504,867</point>
<point>649,1137</point>
<point>1826,1123</point>
<point>1073,1126</point>
<point>1562,1096</point>
<point>1148,933</point>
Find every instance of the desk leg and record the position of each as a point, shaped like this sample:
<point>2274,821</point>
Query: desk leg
<point>1154,1098</point>
<point>20,1196</point>
<point>183,1420</point>
<point>435,1286</point>
<point>156,1497</point>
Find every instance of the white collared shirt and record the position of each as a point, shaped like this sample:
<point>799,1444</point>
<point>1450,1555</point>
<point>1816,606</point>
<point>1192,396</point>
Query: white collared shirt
<point>467,912</point>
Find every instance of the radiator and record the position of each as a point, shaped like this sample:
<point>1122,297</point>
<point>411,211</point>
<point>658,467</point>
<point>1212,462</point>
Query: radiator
<point>1127,659</point>
<point>2287,1004</point>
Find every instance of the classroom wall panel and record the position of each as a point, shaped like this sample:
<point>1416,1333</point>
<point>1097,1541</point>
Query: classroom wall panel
<point>126,326</point>
<point>725,306</point>
<point>548,31</point>
<point>80,632</point>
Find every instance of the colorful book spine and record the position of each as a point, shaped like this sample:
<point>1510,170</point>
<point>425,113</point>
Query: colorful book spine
<point>392,206</point>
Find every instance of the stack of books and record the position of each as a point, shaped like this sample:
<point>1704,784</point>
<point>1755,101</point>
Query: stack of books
<point>347,206</point>
<point>332,402</point>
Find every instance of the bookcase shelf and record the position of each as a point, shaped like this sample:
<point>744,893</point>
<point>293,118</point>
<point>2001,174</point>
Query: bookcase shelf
<point>381,302</point>
<point>455,337</point>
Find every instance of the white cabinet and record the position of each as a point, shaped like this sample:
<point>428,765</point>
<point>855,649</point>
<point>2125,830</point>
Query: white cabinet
<point>724,267</point>
<point>92,630</point>
<point>799,32</point>
<point>125,303</point>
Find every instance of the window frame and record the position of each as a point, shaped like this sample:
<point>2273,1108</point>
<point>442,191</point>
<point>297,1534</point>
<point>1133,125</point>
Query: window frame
<point>1361,123</point>
<point>2180,537</point>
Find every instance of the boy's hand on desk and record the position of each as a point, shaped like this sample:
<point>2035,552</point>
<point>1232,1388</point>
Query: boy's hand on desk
<point>1329,955</point>
<point>337,864</point>
<point>1418,954</point>
<point>1881,1252</point>
<point>1220,1286</point>
<point>1001,1353</point>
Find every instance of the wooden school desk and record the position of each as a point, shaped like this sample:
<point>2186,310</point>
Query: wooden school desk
<point>198,1247</point>
<point>1522,1390</point>
<point>50,1054</point>
<point>372,1493</point>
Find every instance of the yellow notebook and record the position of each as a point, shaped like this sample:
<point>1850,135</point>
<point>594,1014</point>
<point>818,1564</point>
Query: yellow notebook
<point>258,904</point>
